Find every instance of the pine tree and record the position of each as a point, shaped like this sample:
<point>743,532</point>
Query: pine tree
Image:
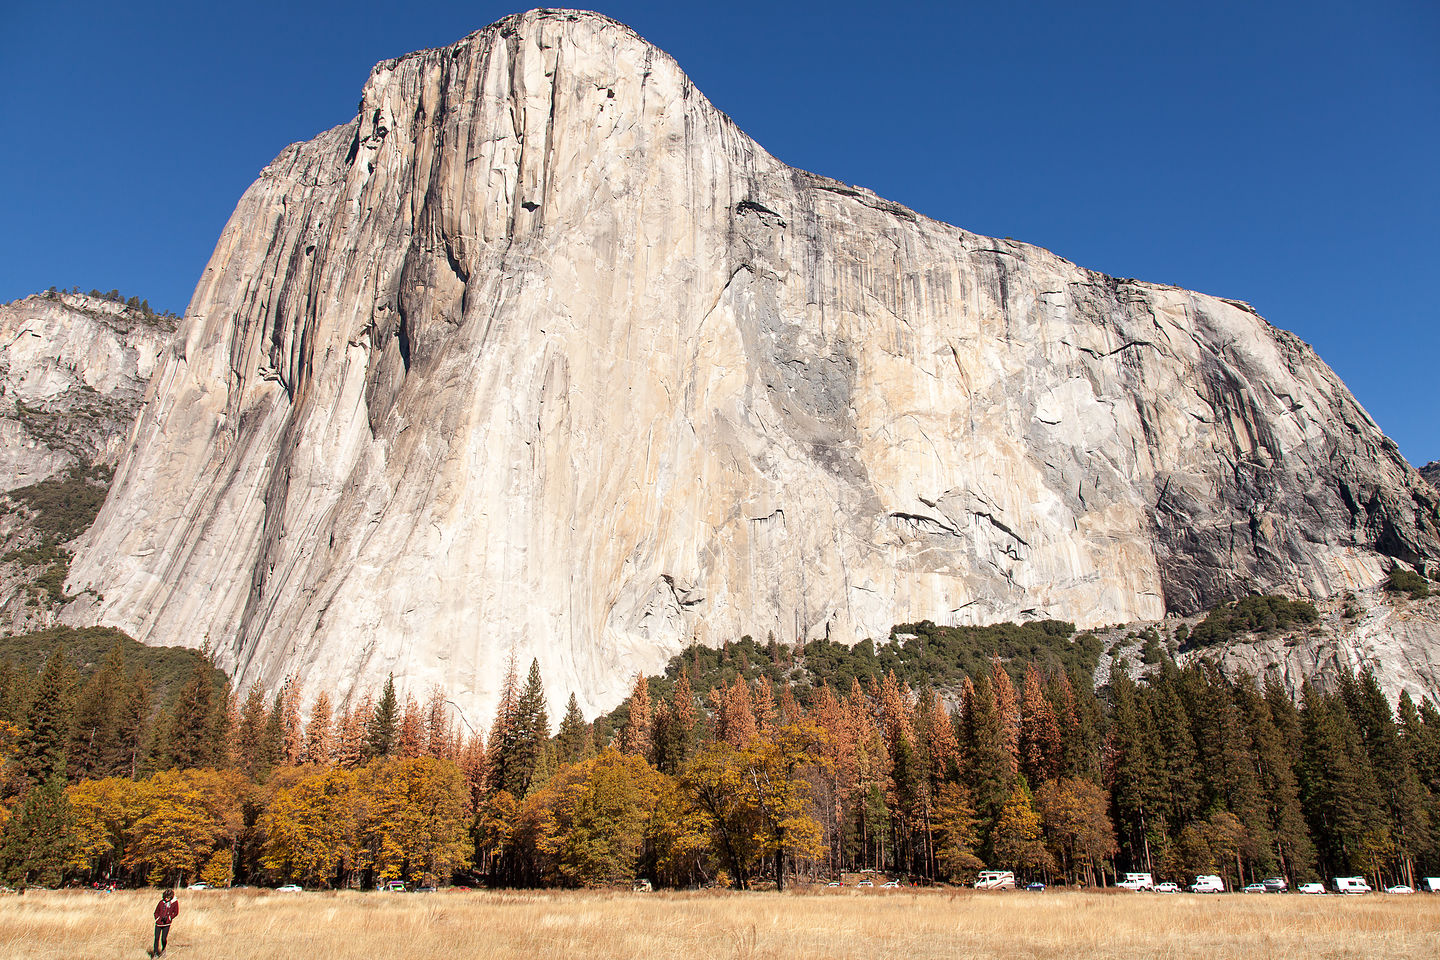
<point>127,754</point>
<point>381,728</point>
<point>471,760</point>
<point>1337,784</point>
<point>250,732</point>
<point>48,722</point>
<point>572,743</point>
<point>1007,711</point>
<point>39,839</point>
<point>189,735</point>
<point>635,735</point>
<point>987,757</point>
<point>410,735</point>
<point>764,705</point>
<point>1071,762</point>
<point>272,737</point>
<point>532,725</point>
<point>505,731</point>
<point>1294,852</point>
<point>13,694</point>
<point>1177,758</point>
<point>223,721</point>
<point>350,743</point>
<point>942,748</point>
<point>292,730</point>
<point>92,738</point>
<point>320,732</point>
<point>1404,796</point>
<point>439,730</point>
<point>674,738</point>
<point>1137,780</point>
<point>1040,755</point>
<point>735,722</point>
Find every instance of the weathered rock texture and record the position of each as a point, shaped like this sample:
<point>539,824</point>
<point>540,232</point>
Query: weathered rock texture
<point>1394,637</point>
<point>73,371</point>
<point>1431,472</point>
<point>542,352</point>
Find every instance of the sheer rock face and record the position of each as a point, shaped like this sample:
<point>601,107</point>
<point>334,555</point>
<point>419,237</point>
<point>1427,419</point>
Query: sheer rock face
<point>540,352</point>
<point>73,371</point>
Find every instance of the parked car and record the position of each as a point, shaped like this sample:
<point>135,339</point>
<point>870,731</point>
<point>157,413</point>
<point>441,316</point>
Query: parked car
<point>394,886</point>
<point>890,885</point>
<point>1275,885</point>
<point>290,888</point>
<point>995,880</point>
<point>1207,883</point>
<point>1036,887</point>
<point>1351,885</point>
<point>1400,888</point>
<point>200,886</point>
<point>1167,887</point>
<point>1310,888</point>
<point>865,883</point>
<point>1255,888</point>
<point>834,883</point>
<point>1137,881</point>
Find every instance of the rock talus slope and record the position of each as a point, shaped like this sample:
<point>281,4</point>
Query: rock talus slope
<point>540,352</point>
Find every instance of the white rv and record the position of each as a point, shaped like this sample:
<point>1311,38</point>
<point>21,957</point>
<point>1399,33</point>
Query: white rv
<point>995,880</point>
<point>1137,881</point>
<point>1430,884</point>
<point>1351,885</point>
<point>1207,883</point>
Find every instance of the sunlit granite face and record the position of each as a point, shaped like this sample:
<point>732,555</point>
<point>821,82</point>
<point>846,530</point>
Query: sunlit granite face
<point>541,353</point>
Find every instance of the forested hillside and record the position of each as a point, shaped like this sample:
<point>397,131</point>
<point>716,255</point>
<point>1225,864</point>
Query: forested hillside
<point>931,756</point>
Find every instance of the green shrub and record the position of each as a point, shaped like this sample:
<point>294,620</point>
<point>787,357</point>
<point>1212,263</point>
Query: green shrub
<point>1406,581</point>
<point>63,507</point>
<point>1257,613</point>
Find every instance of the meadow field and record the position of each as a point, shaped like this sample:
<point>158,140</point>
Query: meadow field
<point>808,925</point>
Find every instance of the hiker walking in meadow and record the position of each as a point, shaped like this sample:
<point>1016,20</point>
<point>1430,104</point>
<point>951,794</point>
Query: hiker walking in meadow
<point>165,913</point>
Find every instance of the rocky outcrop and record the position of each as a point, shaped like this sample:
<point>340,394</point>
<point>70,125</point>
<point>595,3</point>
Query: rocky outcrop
<point>541,353</point>
<point>73,370</point>
<point>1392,636</point>
<point>1431,473</point>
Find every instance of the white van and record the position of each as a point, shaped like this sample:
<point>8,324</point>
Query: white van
<point>995,880</point>
<point>1207,883</point>
<point>1137,881</point>
<point>1351,885</point>
<point>1430,884</point>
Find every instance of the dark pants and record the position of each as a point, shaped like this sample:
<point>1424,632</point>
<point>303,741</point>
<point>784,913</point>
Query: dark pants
<point>162,933</point>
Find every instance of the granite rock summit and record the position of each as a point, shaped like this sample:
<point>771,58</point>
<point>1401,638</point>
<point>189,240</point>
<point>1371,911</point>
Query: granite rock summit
<point>541,353</point>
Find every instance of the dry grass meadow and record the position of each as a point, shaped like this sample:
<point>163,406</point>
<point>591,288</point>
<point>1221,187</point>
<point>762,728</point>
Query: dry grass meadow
<point>830,925</point>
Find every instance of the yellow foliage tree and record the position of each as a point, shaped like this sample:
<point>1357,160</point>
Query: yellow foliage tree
<point>312,829</point>
<point>416,822</point>
<point>590,823</point>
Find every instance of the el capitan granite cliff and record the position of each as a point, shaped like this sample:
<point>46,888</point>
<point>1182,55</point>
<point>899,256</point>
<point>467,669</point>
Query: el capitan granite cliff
<point>540,352</point>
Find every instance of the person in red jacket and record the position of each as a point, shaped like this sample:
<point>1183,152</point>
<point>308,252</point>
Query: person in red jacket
<point>165,913</point>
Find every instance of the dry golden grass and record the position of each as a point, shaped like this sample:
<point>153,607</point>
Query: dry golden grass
<point>831,925</point>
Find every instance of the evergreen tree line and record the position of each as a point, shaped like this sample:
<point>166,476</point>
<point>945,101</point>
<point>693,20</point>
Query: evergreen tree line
<point>1021,765</point>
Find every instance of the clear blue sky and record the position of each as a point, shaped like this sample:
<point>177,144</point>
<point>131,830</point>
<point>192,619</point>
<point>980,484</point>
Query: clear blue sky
<point>1280,153</point>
